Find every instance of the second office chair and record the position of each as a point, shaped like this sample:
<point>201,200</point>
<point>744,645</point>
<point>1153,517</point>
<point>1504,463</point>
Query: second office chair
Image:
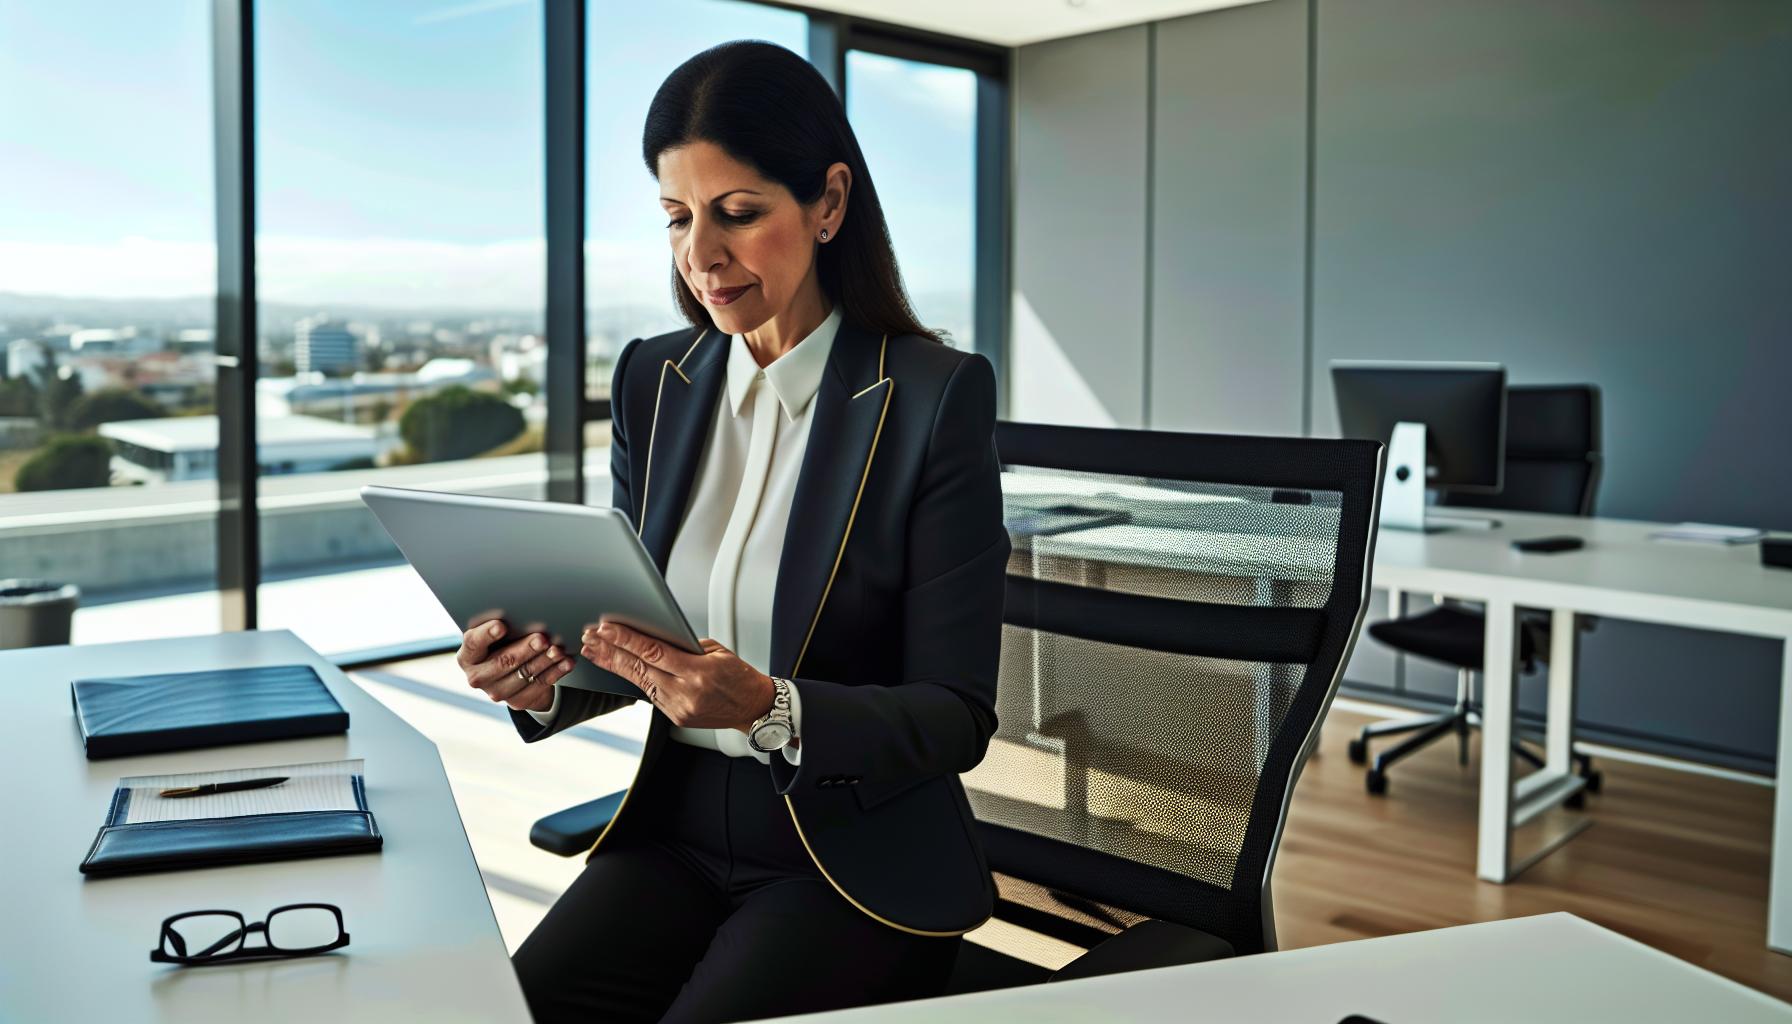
<point>1552,465</point>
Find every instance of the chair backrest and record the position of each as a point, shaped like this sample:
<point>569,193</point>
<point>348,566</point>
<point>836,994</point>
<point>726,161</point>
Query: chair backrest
<point>1552,452</point>
<point>1179,609</point>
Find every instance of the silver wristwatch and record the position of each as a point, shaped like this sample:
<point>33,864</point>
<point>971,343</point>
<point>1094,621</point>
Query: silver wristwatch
<point>775,729</point>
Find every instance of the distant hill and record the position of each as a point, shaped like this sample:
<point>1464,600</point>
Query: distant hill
<point>201,308</point>
<point>63,307</point>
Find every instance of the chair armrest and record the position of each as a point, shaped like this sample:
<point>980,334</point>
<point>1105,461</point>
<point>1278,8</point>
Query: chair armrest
<point>1146,945</point>
<point>575,829</point>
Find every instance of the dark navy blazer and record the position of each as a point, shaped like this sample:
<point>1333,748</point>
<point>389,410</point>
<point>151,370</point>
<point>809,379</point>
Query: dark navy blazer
<point>887,611</point>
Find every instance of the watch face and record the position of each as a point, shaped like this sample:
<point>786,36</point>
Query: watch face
<point>771,736</point>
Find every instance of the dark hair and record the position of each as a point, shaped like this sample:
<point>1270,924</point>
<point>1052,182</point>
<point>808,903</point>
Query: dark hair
<point>771,110</point>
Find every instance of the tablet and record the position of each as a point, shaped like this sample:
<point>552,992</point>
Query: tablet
<point>541,566</point>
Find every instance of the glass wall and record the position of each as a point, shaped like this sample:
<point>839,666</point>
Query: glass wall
<point>628,262</point>
<point>916,124</point>
<point>400,267</point>
<point>108,435</point>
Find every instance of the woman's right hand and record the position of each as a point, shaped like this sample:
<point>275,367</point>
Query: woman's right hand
<point>493,668</point>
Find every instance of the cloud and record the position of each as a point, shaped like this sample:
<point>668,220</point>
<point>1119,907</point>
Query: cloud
<point>131,267</point>
<point>465,10</point>
<point>945,92</point>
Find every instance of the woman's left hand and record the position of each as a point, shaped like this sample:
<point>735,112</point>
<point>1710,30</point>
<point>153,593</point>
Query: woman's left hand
<point>712,690</point>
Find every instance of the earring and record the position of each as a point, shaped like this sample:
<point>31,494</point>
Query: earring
<point>824,234</point>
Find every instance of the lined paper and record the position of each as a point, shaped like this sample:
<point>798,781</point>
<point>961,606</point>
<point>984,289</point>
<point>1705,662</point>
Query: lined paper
<point>318,786</point>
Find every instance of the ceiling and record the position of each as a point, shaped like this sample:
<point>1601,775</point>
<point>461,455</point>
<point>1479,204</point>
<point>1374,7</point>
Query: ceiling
<point>1016,22</point>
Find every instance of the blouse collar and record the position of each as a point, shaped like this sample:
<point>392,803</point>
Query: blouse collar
<point>794,376</point>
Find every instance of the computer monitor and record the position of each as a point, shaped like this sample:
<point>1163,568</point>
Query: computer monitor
<point>1444,425</point>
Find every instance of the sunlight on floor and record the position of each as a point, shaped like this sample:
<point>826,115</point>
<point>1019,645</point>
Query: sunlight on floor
<point>502,785</point>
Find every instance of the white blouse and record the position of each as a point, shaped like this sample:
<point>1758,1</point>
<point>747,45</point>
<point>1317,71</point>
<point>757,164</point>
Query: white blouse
<point>723,567</point>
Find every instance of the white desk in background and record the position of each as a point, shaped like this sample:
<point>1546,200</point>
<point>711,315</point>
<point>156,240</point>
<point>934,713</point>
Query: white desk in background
<point>1619,574</point>
<point>1549,969</point>
<point>423,942</point>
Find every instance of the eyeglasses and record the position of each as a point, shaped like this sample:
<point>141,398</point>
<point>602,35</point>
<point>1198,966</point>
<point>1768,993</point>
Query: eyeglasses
<point>216,936</point>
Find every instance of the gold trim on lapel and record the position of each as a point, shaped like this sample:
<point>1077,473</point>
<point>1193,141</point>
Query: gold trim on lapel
<point>688,351</point>
<point>640,523</point>
<point>889,387</point>
<point>647,474</point>
<point>850,516</point>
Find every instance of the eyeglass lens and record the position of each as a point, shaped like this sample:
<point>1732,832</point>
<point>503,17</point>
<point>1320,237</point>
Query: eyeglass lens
<point>301,929</point>
<point>208,933</point>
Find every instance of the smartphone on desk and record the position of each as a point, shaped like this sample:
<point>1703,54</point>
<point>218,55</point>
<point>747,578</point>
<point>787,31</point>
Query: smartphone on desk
<point>1548,545</point>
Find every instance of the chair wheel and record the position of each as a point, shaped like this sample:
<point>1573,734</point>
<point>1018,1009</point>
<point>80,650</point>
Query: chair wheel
<point>1376,782</point>
<point>1595,781</point>
<point>1359,751</point>
<point>1576,802</point>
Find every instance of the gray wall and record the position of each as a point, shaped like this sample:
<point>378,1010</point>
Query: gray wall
<point>1229,221</point>
<point>1594,190</point>
<point>1077,342</point>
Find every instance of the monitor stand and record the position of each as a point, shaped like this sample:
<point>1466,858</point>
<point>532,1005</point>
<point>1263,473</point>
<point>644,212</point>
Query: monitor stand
<point>1403,488</point>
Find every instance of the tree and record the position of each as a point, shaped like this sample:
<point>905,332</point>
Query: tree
<point>457,423</point>
<point>18,397</point>
<point>71,460</point>
<point>110,405</point>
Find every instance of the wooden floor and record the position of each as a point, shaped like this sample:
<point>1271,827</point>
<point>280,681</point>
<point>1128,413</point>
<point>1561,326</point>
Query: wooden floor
<point>1675,860</point>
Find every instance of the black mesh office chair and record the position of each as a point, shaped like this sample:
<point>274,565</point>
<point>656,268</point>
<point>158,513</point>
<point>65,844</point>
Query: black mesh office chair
<point>1552,465</point>
<point>1179,609</point>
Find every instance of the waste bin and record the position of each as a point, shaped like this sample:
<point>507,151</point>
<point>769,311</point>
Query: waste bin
<point>36,613</point>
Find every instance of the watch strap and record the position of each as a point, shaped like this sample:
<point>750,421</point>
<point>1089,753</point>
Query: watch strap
<point>780,712</point>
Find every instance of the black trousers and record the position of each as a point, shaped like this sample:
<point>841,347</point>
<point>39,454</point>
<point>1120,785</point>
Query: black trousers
<point>709,909</point>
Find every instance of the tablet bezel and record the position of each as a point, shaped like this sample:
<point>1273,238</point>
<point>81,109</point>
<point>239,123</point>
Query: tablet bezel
<point>409,516</point>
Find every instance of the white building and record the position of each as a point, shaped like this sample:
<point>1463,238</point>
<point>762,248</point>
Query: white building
<point>23,357</point>
<point>107,341</point>
<point>323,346</point>
<point>359,395</point>
<point>186,447</point>
<point>520,357</point>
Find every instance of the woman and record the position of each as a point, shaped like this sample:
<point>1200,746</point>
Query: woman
<point>815,474</point>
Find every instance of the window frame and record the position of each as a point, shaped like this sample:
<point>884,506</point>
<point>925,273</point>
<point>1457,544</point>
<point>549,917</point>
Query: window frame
<point>840,35</point>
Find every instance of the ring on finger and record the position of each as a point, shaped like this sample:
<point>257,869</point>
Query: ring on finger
<point>528,680</point>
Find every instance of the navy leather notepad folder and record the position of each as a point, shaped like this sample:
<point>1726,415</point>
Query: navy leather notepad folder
<point>321,809</point>
<point>129,715</point>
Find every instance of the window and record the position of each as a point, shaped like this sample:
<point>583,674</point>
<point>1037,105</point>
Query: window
<point>400,260</point>
<point>107,269</point>
<point>628,269</point>
<point>916,124</point>
<point>400,265</point>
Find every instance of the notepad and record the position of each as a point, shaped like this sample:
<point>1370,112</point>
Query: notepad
<point>1707,533</point>
<point>321,809</point>
<point>320,786</point>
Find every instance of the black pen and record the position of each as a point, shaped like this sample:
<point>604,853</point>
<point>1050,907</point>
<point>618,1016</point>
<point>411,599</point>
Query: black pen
<point>225,787</point>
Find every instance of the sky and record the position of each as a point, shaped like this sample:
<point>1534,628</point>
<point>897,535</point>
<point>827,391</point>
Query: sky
<point>400,148</point>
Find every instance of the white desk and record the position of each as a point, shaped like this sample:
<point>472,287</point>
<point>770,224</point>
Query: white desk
<point>424,944</point>
<point>1620,574</point>
<point>1540,970</point>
